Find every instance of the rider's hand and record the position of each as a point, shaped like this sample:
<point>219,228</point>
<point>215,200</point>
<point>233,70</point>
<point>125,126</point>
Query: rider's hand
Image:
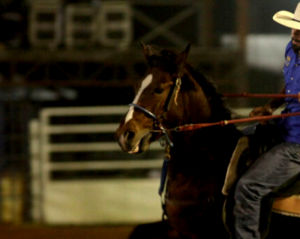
<point>261,111</point>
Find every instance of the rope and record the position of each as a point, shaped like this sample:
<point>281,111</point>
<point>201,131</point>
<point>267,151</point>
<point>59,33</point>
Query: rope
<point>188,127</point>
<point>264,95</point>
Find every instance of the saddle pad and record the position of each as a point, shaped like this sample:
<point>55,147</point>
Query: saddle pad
<point>231,174</point>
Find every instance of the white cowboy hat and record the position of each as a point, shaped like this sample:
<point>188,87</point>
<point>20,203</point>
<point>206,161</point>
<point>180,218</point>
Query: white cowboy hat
<point>288,19</point>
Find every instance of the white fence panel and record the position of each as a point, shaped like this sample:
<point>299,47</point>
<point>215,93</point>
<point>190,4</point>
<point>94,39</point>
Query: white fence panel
<point>89,189</point>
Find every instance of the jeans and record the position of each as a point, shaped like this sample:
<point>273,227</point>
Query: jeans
<point>267,173</point>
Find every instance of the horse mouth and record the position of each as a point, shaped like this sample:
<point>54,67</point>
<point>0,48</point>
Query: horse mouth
<point>136,149</point>
<point>141,145</point>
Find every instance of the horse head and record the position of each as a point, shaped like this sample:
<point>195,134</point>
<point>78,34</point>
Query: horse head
<point>166,97</point>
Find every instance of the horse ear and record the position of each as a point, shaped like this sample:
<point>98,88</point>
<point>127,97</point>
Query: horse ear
<point>145,50</point>
<point>183,55</point>
<point>149,51</point>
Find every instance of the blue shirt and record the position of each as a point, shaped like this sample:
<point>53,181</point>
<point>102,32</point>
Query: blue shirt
<point>290,126</point>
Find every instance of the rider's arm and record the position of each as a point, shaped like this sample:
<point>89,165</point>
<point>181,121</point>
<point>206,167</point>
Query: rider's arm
<point>270,107</point>
<point>275,103</point>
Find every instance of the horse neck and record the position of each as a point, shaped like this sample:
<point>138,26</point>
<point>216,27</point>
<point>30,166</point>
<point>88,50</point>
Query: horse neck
<point>199,102</point>
<point>200,99</point>
<point>205,139</point>
<point>211,145</point>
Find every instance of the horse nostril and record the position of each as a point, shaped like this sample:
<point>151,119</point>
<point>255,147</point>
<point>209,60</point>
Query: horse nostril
<point>129,135</point>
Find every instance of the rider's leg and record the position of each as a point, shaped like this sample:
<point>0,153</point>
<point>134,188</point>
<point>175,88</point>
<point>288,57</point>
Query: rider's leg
<point>270,171</point>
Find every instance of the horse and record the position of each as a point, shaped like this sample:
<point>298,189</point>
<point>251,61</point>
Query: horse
<point>173,93</point>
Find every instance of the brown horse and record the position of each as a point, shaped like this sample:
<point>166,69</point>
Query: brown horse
<point>174,94</point>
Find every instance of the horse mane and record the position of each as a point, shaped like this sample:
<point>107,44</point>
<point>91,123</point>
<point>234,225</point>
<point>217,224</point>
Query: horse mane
<point>166,59</point>
<point>220,110</point>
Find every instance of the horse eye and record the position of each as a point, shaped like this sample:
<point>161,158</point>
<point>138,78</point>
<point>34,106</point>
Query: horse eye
<point>158,90</point>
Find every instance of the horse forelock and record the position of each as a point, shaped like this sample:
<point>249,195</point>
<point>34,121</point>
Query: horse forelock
<point>166,60</point>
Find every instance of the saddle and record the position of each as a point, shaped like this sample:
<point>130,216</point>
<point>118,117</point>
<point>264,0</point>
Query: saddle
<point>248,149</point>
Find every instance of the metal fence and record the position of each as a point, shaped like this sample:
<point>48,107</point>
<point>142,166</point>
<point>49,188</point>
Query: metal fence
<point>75,172</point>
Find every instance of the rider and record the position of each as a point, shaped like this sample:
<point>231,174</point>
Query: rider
<point>282,162</point>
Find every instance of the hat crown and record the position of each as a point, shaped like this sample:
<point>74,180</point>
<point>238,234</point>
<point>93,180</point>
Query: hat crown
<point>289,19</point>
<point>297,13</point>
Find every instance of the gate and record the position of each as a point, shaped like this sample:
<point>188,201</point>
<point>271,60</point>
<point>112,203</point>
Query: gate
<point>80,175</point>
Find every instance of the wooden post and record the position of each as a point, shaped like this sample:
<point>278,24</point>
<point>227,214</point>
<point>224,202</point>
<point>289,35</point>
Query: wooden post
<point>242,25</point>
<point>242,21</point>
<point>206,36</point>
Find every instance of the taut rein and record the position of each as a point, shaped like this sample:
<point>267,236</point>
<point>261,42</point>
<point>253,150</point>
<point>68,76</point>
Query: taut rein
<point>188,127</point>
<point>263,95</point>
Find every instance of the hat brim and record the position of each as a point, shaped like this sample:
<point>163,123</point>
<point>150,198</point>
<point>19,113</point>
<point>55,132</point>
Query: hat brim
<point>286,19</point>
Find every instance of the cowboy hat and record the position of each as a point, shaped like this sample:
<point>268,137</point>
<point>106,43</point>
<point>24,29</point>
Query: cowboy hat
<point>288,19</point>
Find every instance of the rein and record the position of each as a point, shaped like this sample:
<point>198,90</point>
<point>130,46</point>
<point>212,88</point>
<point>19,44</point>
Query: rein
<point>188,127</point>
<point>264,95</point>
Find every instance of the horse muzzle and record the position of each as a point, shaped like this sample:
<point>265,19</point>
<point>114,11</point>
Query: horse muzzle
<point>133,142</point>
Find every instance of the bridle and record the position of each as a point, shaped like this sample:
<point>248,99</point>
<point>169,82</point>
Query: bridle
<point>173,94</point>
